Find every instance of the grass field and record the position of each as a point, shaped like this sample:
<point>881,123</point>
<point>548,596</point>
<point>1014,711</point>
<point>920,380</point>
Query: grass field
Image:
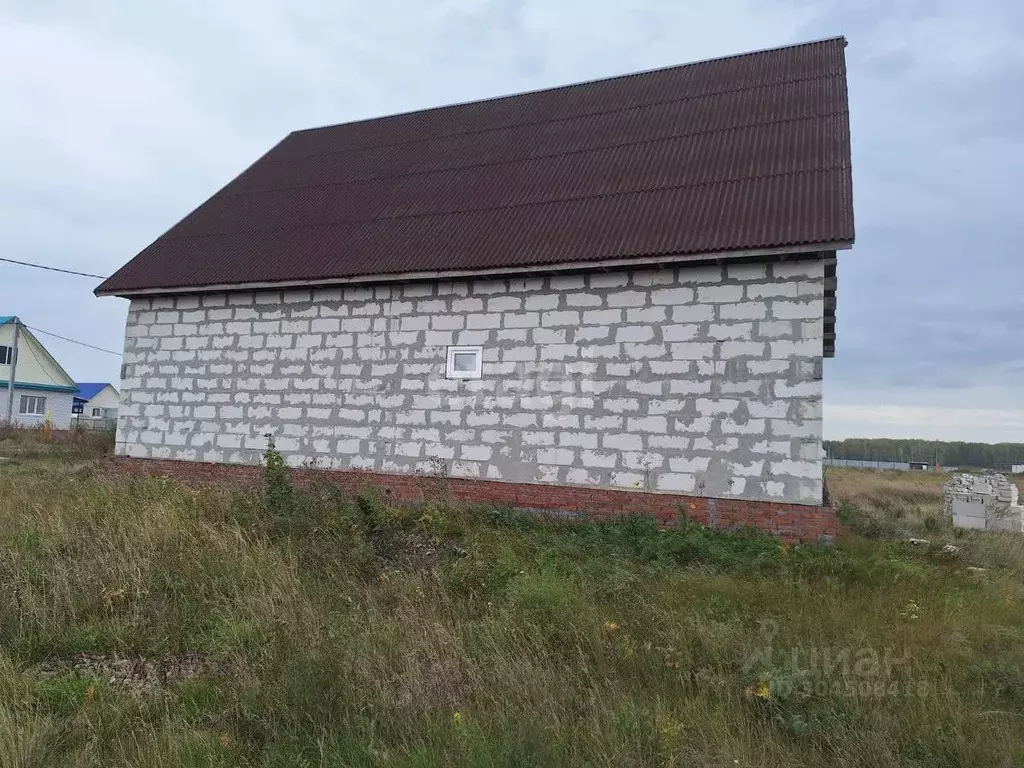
<point>146,624</point>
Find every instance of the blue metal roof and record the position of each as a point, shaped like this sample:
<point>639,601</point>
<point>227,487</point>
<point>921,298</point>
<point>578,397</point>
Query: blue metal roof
<point>5,319</point>
<point>87,391</point>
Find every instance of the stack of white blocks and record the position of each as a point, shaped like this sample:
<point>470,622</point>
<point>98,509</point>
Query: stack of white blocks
<point>988,503</point>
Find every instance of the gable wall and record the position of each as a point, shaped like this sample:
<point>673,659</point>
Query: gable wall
<point>34,366</point>
<point>702,380</point>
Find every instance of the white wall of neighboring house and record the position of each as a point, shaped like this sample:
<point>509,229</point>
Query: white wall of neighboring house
<point>38,376</point>
<point>106,400</point>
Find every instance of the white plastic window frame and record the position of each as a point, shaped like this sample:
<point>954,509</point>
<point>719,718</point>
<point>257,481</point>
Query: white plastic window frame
<point>475,373</point>
<point>32,405</point>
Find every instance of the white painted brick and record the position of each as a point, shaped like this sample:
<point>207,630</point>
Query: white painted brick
<point>593,333</point>
<point>483,321</point>
<point>690,463</point>
<point>697,313</point>
<point>720,294</point>
<point>525,284</point>
<point>476,452</point>
<point>644,351</point>
<point>581,299</point>
<point>748,272</point>
<point>676,481</point>
<point>692,351</point>
<point>673,296</point>
<point>816,290</point>
<point>676,443</point>
<point>646,315</point>
<point>797,310</point>
<point>732,349</point>
<point>596,459</point>
<point>520,320</point>
<point>803,469</point>
<point>770,290</point>
<point>731,331</point>
<point>747,310</point>
<point>579,476</point>
<point>700,275</point>
<point>709,407</point>
<point>615,279</point>
<point>627,479</point>
<point>801,389</point>
<point>541,301</point>
<point>602,423</point>
<point>802,348</point>
<point>567,282</point>
<point>749,427</point>
<point>562,317</point>
<point>646,278</point>
<point>602,317</point>
<point>560,456</point>
<point>447,322</point>
<point>627,299</point>
<point>634,333</point>
<point>776,409</point>
<point>647,424</point>
<point>623,442</point>
<point>578,439</point>
<point>505,304</point>
<point>489,286</point>
<point>812,269</point>
<point>783,428</point>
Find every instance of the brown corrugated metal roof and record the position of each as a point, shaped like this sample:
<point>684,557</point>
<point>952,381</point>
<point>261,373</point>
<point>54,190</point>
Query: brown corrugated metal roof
<point>736,154</point>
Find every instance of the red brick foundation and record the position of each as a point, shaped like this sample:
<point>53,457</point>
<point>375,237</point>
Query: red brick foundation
<point>790,522</point>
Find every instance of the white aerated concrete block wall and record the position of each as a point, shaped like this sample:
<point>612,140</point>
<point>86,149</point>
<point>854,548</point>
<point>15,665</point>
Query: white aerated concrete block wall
<point>987,503</point>
<point>702,380</point>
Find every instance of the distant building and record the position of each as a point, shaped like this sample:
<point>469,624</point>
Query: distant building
<point>42,387</point>
<point>95,404</point>
<point>1017,469</point>
<point>919,465</point>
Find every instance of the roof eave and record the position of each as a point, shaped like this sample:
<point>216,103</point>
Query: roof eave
<point>779,252</point>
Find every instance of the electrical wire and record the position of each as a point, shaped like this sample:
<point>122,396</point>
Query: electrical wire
<point>52,269</point>
<point>73,341</point>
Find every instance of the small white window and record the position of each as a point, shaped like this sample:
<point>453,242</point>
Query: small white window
<point>465,362</point>
<point>96,413</point>
<point>32,406</point>
<point>5,355</point>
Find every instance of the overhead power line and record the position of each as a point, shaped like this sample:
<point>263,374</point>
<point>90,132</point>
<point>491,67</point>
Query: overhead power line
<point>73,341</point>
<point>52,269</point>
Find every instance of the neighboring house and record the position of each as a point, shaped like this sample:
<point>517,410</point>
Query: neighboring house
<point>42,387</point>
<point>96,403</point>
<point>1017,469</point>
<point>622,284</point>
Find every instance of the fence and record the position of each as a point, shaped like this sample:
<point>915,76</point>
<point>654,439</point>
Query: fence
<point>867,464</point>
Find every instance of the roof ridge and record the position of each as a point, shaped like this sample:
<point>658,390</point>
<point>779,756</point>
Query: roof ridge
<point>667,188</point>
<point>564,86</point>
<point>549,156</point>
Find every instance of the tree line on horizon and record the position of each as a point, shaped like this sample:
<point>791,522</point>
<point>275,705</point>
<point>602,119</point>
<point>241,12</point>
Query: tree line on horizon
<point>952,454</point>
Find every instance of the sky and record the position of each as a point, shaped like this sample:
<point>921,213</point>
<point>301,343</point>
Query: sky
<point>118,118</point>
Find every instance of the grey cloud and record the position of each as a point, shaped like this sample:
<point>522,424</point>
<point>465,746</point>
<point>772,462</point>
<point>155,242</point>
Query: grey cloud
<point>131,114</point>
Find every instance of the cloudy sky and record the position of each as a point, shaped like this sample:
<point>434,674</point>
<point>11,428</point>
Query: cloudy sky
<point>118,118</point>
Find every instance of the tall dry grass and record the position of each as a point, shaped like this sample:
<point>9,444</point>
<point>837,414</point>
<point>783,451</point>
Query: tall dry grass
<point>342,631</point>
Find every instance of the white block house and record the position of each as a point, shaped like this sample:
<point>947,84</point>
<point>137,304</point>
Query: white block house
<point>96,404</point>
<point>42,387</point>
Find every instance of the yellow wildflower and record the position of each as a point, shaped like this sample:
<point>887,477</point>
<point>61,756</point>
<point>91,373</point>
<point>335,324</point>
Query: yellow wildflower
<point>610,626</point>
<point>762,691</point>
<point>456,719</point>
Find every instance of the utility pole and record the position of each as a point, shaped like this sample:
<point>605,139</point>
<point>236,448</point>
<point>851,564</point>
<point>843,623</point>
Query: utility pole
<point>14,368</point>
